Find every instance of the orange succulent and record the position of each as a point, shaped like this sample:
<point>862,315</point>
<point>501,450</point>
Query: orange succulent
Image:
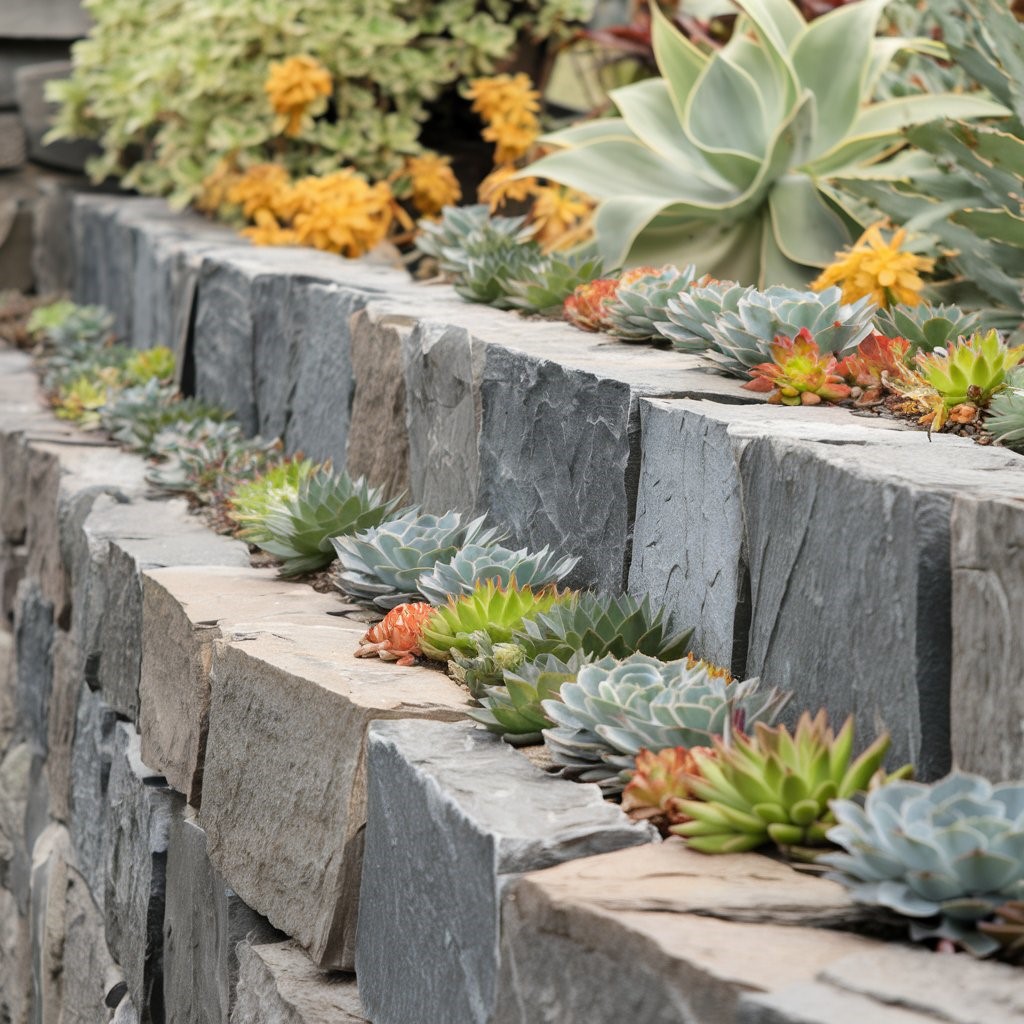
<point>587,307</point>
<point>397,637</point>
<point>659,783</point>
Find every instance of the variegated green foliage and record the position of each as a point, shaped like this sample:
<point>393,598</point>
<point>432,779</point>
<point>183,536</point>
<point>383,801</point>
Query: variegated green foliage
<point>722,160</point>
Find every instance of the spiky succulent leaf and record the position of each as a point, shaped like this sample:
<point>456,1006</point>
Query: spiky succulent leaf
<point>512,706</point>
<point>926,327</point>
<point>603,624</point>
<point>945,854</point>
<point>253,500</point>
<point>615,708</point>
<point>775,786</point>
<point>496,611</point>
<point>486,666</point>
<point>477,562</point>
<point>384,565</point>
<point>328,505</point>
<point>641,300</point>
<point>691,314</point>
<point>971,369</point>
<point>553,280</point>
<point>1005,418</point>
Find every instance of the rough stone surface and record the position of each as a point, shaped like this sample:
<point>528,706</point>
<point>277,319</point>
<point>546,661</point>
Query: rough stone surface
<point>287,696</point>
<point>278,984</point>
<point>8,677</point>
<point>185,610</point>
<point>139,812</point>
<point>815,1003</point>
<point>63,712</point>
<point>442,372</point>
<point>37,115</point>
<point>13,143</point>
<point>488,815</point>
<point>203,923</point>
<point>43,19</point>
<point>34,640</point>
<point>15,961</point>
<point>15,781</point>
<point>987,702</point>
<point>378,404</point>
<point>92,755</point>
<point>662,935</point>
<point>17,55</point>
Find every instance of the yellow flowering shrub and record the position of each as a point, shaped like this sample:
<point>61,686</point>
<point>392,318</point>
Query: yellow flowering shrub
<point>432,182</point>
<point>297,88</point>
<point>508,105</point>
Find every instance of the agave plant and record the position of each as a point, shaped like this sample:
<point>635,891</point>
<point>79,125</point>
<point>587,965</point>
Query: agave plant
<point>1008,930</point>
<point>945,854</point>
<point>1005,420</point>
<point>724,161</point>
<point>691,314</point>
<point>925,326</point>
<point>253,500</point>
<point>477,562</point>
<point>328,505</point>
<point>603,624</point>
<point>775,787</point>
<point>799,374</point>
<point>553,280</point>
<point>486,666</point>
<point>642,297</point>
<point>659,784</point>
<point>742,338</point>
<point>383,565</point>
<point>616,708</point>
<point>482,254</point>
<point>491,609</point>
<point>514,709</point>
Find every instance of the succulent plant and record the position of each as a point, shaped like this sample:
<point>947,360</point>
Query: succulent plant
<point>725,161</point>
<point>486,666</point>
<point>482,254</point>
<point>513,709</point>
<point>252,500</point>
<point>481,561</point>
<point>397,636</point>
<point>642,297</point>
<point>383,565</point>
<point>971,370</point>
<point>82,401</point>
<point>924,326</point>
<point>44,319</point>
<point>1005,420</point>
<point>150,364</point>
<point>603,624</point>
<point>328,505</point>
<point>491,609</point>
<point>136,416</point>
<point>90,324</point>
<point>945,854</point>
<point>553,280</point>
<point>659,783</point>
<point>775,787</point>
<point>742,338</point>
<point>1008,930</point>
<point>616,708</point>
<point>799,374</point>
<point>878,359</point>
<point>587,307</point>
<point>691,314</point>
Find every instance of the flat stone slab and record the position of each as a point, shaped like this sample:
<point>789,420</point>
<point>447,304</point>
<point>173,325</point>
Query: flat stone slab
<point>427,945</point>
<point>284,787</point>
<point>184,611</point>
<point>278,984</point>
<point>646,935</point>
<point>47,19</point>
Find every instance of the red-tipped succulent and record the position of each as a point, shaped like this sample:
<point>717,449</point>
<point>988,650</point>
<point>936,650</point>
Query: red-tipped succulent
<point>878,359</point>
<point>659,783</point>
<point>587,307</point>
<point>799,374</point>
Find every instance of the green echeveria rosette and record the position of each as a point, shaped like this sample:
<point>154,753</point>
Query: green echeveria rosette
<point>945,855</point>
<point>327,506</point>
<point>615,708</point>
<point>603,624</point>
<point>383,565</point>
<point>478,561</point>
<point>690,315</point>
<point>926,327</point>
<point>551,282</point>
<point>638,307</point>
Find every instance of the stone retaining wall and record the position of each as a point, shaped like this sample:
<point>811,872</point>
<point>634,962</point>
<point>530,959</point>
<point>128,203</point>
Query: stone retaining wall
<point>210,812</point>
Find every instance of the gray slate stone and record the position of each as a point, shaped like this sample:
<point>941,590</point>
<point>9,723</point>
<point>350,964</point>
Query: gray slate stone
<point>140,806</point>
<point>15,856</point>
<point>38,114</point>
<point>92,756</point>
<point>8,691</point>
<point>43,19</point>
<point>34,645</point>
<point>17,55</point>
<point>15,961</point>
<point>442,387</point>
<point>987,702</point>
<point>378,402</point>
<point>204,921</point>
<point>427,945</point>
<point>279,985</point>
<point>63,711</point>
<point>13,147</point>
<point>815,1003</point>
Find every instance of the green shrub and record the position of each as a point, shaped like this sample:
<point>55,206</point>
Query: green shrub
<point>170,87</point>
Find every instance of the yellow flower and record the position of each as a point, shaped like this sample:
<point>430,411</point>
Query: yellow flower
<point>434,185</point>
<point>502,186</point>
<point>878,268</point>
<point>509,105</point>
<point>342,212</point>
<point>216,187</point>
<point>295,87</point>
<point>267,231</point>
<point>559,214</point>
<point>263,187</point>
